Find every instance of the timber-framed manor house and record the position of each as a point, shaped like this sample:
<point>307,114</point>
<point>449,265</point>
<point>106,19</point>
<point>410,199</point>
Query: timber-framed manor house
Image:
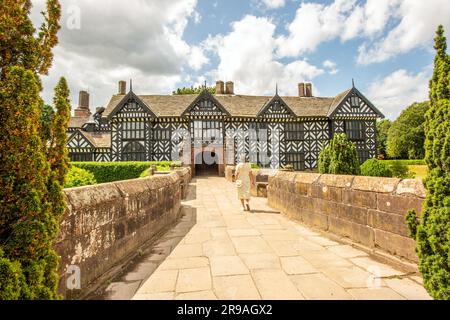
<point>273,131</point>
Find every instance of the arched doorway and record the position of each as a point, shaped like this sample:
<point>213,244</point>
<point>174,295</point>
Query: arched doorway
<point>206,163</point>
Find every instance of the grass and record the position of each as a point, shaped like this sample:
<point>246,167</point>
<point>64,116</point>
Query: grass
<point>420,171</point>
<point>405,162</point>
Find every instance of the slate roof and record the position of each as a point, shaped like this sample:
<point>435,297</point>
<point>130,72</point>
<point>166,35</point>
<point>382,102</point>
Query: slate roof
<point>77,122</point>
<point>99,140</point>
<point>236,105</point>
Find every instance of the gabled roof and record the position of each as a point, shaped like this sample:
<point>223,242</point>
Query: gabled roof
<point>77,122</point>
<point>96,140</point>
<point>237,105</point>
<point>116,107</point>
<point>273,100</point>
<point>206,95</point>
<point>342,97</point>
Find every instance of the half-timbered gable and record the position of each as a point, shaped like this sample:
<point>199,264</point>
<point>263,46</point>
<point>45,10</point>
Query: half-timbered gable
<point>273,131</point>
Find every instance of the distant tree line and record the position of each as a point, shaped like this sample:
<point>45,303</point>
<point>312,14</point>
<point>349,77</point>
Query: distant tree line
<point>403,138</point>
<point>194,90</point>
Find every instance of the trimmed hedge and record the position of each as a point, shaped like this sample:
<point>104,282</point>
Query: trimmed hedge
<point>78,177</point>
<point>116,171</point>
<point>405,162</point>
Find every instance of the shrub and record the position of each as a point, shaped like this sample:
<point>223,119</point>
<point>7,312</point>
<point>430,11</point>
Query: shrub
<point>339,157</point>
<point>79,177</point>
<point>375,168</point>
<point>116,171</point>
<point>400,170</point>
<point>431,230</point>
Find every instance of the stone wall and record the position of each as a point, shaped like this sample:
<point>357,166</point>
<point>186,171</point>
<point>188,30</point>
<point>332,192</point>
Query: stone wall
<point>106,224</point>
<point>368,210</point>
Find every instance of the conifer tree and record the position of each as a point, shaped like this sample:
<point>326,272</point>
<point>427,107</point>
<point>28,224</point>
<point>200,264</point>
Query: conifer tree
<point>31,198</point>
<point>432,229</point>
<point>339,157</point>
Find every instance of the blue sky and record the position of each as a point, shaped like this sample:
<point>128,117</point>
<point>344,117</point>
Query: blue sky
<point>385,45</point>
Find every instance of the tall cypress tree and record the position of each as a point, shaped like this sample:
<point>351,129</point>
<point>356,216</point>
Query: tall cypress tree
<point>432,230</point>
<point>30,192</point>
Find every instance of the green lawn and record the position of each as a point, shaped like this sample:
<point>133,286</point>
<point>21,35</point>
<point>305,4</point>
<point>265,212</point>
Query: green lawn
<point>420,171</point>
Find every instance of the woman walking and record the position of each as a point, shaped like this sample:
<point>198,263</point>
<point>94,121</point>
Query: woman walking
<point>244,179</point>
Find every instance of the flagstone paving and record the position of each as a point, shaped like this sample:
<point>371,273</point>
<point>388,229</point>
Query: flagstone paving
<point>219,252</point>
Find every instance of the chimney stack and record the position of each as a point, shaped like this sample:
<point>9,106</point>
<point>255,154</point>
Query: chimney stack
<point>220,87</point>
<point>122,87</point>
<point>308,90</point>
<point>83,105</point>
<point>229,87</point>
<point>301,89</point>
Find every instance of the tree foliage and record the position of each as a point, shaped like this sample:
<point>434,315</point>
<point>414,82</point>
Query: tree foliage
<point>20,44</point>
<point>339,157</point>
<point>406,136</point>
<point>382,135</point>
<point>432,230</point>
<point>31,200</point>
<point>193,90</point>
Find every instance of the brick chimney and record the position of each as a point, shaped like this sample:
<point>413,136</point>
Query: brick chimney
<point>301,89</point>
<point>220,87</point>
<point>122,87</point>
<point>83,105</point>
<point>308,90</point>
<point>229,87</point>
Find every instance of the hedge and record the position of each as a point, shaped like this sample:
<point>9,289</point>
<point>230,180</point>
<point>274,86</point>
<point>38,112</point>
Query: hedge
<point>375,168</point>
<point>116,171</point>
<point>78,177</point>
<point>405,162</point>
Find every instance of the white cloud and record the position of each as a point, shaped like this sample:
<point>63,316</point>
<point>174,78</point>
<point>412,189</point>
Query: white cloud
<point>119,40</point>
<point>247,56</point>
<point>418,23</point>
<point>274,4</point>
<point>398,90</point>
<point>331,67</point>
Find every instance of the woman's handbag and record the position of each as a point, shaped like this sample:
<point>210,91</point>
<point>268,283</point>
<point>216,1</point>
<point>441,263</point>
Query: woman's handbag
<point>239,184</point>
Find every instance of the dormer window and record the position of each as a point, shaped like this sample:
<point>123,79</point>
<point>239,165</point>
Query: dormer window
<point>354,101</point>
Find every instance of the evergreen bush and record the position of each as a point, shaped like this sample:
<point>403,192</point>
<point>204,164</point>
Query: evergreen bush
<point>375,168</point>
<point>79,177</point>
<point>432,230</point>
<point>339,157</point>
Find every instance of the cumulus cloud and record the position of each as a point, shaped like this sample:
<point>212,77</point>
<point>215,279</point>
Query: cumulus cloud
<point>316,23</point>
<point>247,56</point>
<point>330,66</point>
<point>122,39</point>
<point>418,22</point>
<point>274,4</point>
<point>398,90</point>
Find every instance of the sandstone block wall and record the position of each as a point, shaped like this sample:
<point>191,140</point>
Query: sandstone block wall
<point>107,223</point>
<point>368,210</point>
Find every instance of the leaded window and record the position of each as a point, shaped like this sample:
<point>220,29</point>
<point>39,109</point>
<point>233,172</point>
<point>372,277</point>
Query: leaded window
<point>363,155</point>
<point>133,151</point>
<point>294,131</point>
<point>207,131</point>
<point>81,156</point>
<point>296,159</point>
<point>133,130</point>
<point>354,101</point>
<point>354,130</point>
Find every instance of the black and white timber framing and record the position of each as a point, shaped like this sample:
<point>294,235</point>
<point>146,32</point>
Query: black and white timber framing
<point>275,131</point>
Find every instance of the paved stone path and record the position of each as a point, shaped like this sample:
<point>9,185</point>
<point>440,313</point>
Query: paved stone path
<point>220,252</point>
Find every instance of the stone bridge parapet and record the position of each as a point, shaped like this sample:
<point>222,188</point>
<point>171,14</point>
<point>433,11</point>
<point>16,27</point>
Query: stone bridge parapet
<point>367,210</point>
<point>106,224</point>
